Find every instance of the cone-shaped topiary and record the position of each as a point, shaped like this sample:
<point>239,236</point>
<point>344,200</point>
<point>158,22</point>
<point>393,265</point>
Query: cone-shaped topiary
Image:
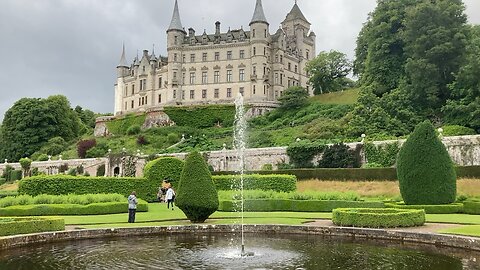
<point>425,170</point>
<point>166,167</point>
<point>196,193</point>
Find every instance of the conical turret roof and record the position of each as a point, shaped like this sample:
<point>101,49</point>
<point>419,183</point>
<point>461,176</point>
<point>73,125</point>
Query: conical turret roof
<point>123,59</point>
<point>295,14</point>
<point>259,15</point>
<point>176,23</point>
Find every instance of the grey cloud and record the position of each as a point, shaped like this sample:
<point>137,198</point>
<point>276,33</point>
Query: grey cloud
<point>71,47</point>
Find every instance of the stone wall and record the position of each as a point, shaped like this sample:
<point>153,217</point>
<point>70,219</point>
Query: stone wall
<point>52,166</point>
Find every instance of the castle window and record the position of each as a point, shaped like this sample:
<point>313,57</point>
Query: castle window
<point>276,78</point>
<point>175,57</point>
<point>126,91</point>
<point>183,78</point>
<point>146,100</point>
<point>281,79</point>
<point>229,75</point>
<point>254,89</point>
<point>217,56</point>
<point>139,102</point>
<point>133,89</point>
<point>253,32</point>
<point>125,106</point>
<point>254,70</point>
<point>183,94</point>
<point>216,93</point>
<point>143,101</point>
<point>265,32</point>
<point>192,94</point>
<point>192,57</point>
<point>204,93</point>
<point>229,92</point>
<point>174,75</point>
<point>254,50</point>
<point>176,40</point>
<point>264,89</point>
<point>281,59</point>
<point>242,91</point>
<point>160,98</point>
<point>183,59</point>
<point>289,66</point>
<point>143,68</point>
<point>288,83</point>
<point>204,57</point>
<point>229,55</point>
<point>242,54</point>
<point>204,77</point>
<point>133,104</point>
<point>242,75</point>
<point>160,82</point>
<point>264,51</point>
<point>296,68</point>
<point>216,76</point>
<point>192,77</point>
<point>308,54</point>
<point>264,71</point>
<point>276,58</point>
<point>174,93</point>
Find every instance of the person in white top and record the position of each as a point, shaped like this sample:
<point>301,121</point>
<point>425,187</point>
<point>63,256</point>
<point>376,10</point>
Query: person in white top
<point>170,197</point>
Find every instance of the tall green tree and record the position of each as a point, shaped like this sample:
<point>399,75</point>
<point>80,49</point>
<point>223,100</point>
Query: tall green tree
<point>435,36</point>
<point>328,71</point>
<point>293,98</point>
<point>31,122</point>
<point>464,106</point>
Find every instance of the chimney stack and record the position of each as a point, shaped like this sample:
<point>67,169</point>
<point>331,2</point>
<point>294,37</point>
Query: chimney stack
<point>217,28</point>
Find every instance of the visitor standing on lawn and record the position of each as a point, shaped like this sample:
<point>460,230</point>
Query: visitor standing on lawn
<point>170,196</point>
<point>132,207</point>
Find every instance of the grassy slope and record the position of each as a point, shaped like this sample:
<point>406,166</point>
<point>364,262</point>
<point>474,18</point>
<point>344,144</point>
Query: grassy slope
<point>279,132</point>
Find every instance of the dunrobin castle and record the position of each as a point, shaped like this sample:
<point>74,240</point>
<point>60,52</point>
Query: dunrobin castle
<point>214,68</point>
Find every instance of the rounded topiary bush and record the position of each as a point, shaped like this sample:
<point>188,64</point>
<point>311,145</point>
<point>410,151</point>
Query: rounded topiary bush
<point>196,193</point>
<point>425,170</point>
<point>166,167</point>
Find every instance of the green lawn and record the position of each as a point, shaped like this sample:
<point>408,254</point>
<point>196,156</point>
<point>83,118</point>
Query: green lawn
<point>344,97</point>
<point>471,230</point>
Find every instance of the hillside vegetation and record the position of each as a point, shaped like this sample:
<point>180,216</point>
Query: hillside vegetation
<point>322,118</point>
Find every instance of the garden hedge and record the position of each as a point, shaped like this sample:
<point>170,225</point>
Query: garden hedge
<point>471,207</point>
<point>202,116</point>
<point>70,209</point>
<point>354,174</point>
<point>166,167</point>
<point>23,225</point>
<point>378,218</point>
<point>269,205</point>
<point>451,208</point>
<point>65,184</point>
<point>283,183</point>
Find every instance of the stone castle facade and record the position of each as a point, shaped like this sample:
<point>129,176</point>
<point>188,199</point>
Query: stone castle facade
<point>215,68</point>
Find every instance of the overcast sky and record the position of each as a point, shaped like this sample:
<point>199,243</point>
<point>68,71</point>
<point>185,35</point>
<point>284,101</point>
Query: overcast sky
<point>71,47</point>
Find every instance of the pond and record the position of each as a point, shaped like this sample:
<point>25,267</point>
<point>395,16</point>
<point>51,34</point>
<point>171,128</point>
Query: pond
<point>221,251</point>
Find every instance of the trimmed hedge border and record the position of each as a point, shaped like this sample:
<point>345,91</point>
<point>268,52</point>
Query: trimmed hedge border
<point>357,174</point>
<point>471,207</point>
<point>70,209</point>
<point>281,183</point>
<point>66,184</point>
<point>269,205</point>
<point>22,225</point>
<point>378,218</point>
<point>452,208</point>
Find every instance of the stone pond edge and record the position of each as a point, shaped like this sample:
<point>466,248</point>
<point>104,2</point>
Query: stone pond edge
<point>441,240</point>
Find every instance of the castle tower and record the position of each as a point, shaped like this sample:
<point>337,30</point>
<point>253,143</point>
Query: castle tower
<point>260,51</point>
<point>175,38</point>
<point>122,71</point>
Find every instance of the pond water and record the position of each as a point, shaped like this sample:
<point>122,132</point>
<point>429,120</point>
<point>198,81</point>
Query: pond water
<point>221,251</point>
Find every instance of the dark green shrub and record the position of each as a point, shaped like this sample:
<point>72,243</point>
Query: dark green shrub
<point>85,145</point>
<point>142,140</point>
<point>101,170</point>
<point>202,116</point>
<point>26,164</point>
<point>425,170</point>
<point>165,167</point>
<point>196,196</point>
<point>471,207</point>
<point>378,218</point>
<point>65,184</point>
<point>63,168</point>
<point>35,172</point>
<point>282,183</point>
<point>340,156</point>
<point>267,167</point>
<point>7,172</point>
<point>15,175</point>
<point>134,130</point>
<point>468,171</point>
<point>384,155</point>
<point>71,209</point>
<point>72,172</point>
<point>2,181</point>
<point>8,193</point>
<point>100,150</point>
<point>14,226</point>
<point>452,208</point>
<point>302,153</point>
<point>121,125</point>
<point>279,205</point>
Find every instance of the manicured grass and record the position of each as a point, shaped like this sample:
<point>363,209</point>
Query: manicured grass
<point>472,230</point>
<point>454,218</point>
<point>344,97</point>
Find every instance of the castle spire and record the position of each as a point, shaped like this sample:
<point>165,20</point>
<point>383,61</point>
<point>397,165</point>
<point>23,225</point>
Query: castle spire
<point>123,59</point>
<point>258,14</point>
<point>176,23</point>
<point>295,14</point>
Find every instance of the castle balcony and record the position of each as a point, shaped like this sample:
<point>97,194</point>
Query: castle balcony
<point>253,77</point>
